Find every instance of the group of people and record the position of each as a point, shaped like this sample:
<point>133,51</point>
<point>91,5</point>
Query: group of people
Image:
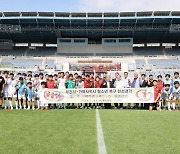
<point>26,89</point>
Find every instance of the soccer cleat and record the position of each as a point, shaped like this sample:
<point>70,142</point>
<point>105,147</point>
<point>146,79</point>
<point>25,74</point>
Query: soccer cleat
<point>11,108</point>
<point>16,108</point>
<point>5,108</point>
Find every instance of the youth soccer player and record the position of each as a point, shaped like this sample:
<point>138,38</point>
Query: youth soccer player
<point>70,84</point>
<point>160,83</point>
<point>165,95</point>
<point>6,77</point>
<point>80,85</point>
<point>175,95</point>
<point>61,85</point>
<point>42,104</point>
<point>156,97</point>
<point>168,79</point>
<point>30,95</point>
<point>21,92</point>
<point>12,91</point>
<point>50,83</point>
<point>176,77</point>
<point>36,85</point>
<point>2,81</point>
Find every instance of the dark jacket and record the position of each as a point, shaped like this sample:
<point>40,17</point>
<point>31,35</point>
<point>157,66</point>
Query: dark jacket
<point>104,84</point>
<point>144,84</point>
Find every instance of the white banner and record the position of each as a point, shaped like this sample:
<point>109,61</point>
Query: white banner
<point>98,95</point>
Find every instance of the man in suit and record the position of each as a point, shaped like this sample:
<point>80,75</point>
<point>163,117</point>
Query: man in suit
<point>143,81</point>
<point>143,84</point>
<point>107,83</point>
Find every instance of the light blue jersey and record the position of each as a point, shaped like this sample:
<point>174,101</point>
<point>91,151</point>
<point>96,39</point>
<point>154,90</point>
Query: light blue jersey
<point>21,88</point>
<point>30,92</point>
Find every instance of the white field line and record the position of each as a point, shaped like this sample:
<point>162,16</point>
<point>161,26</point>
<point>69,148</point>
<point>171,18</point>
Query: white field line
<point>100,136</point>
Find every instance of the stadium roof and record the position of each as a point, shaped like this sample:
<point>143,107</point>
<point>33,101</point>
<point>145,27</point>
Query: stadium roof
<point>46,27</point>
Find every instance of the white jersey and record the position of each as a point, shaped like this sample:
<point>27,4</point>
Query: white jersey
<point>40,81</point>
<point>36,85</point>
<point>6,84</point>
<point>119,84</point>
<point>61,83</point>
<point>11,87</point>
<point>41,95</point>
<point>165,93</point>
<point>176,92</point>
<point>80,84</point>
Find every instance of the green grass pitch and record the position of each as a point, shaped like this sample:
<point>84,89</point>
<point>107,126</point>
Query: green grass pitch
<point>74,131</point>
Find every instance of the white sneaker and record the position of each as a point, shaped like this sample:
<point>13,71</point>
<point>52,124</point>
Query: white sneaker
<point>16,108</point>
<point>28,108</point>
<point>11,108</point>
<point>20,107</point>
<point>32,108</point>
<point>5,108</point>
<point>169,109</point>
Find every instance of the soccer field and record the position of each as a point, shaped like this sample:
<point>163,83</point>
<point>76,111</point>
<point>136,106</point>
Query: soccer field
<point>74,131</point>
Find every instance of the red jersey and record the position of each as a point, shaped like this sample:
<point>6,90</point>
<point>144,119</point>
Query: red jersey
<point>98,84</point>
<point>50,84</point>
<point>156,93</point>
<point>87,83</point>
<point>160,85</point>
<point>92,82</point>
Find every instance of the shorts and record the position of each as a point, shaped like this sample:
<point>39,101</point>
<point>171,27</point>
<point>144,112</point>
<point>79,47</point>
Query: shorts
<point>31,99</point>
<point>43,104</point>
<point>37,95</point>
<point>11,94</point>
<point>5,94</point>
<point>21,96</point>
<point>165,98</point>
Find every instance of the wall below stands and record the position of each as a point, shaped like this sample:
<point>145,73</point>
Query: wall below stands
<point>83,46</point>
<point>93,49</point>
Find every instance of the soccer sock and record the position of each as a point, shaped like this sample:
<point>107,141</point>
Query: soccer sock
<point>20,104</point>
<point>16,102</point>
<point>5,103</point>
<point>38,104</point>
<point>169,105</point>
<point>160,104</point>
<point>10,103</point>
<point>173,105</point>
